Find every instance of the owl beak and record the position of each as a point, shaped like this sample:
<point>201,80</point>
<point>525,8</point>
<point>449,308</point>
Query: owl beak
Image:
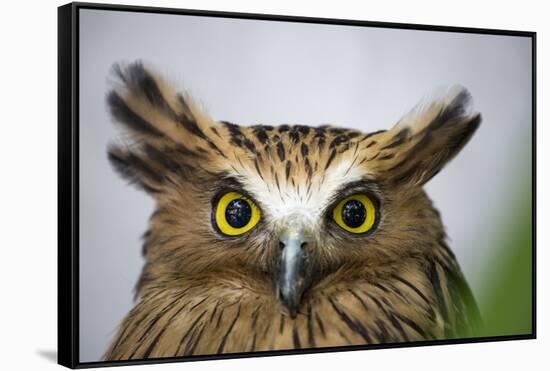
<point>293,271</point>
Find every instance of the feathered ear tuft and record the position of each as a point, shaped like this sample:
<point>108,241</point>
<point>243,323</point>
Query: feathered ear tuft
<point>425,139</point>
<point>149,109</point>
<point>168,133</point>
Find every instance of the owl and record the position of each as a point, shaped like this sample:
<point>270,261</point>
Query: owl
<point>269,238</point>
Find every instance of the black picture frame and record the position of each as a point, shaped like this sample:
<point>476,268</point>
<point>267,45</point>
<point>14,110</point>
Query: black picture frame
<point>68,178</point>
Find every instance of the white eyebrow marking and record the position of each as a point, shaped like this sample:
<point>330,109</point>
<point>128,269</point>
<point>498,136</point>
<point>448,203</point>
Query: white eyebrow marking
<point>289,204</point>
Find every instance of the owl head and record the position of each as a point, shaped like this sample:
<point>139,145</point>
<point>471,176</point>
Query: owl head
<point>281,212</point>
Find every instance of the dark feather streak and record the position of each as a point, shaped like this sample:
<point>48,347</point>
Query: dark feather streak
<point>229,329</point>
<point>355,326</point>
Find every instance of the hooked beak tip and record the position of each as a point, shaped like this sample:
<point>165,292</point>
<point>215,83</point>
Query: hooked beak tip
<point>293,313</point>
<point>290,303</point>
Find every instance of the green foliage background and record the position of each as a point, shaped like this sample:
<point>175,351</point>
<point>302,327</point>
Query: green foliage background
<point>509,292</point>
<point>507,296</point>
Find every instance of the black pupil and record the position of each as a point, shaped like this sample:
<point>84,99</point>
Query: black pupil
<point>354,213</point>
<point>238,213</point>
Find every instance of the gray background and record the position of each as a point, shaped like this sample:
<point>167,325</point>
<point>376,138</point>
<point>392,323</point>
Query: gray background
<point>253,72</point>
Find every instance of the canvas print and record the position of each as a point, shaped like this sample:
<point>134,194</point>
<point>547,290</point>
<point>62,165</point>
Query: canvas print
<point>254,185</point>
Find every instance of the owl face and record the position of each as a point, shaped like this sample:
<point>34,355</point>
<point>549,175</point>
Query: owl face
<point>281,212</point>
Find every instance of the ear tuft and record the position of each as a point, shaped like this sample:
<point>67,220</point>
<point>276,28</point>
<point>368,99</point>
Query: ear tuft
<point>442,106</point>
<point>168,135</point>
<point>141,82</point>
<point>426,138</point>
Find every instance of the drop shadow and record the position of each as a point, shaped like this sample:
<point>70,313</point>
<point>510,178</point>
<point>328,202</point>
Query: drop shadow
<point>50,355</point>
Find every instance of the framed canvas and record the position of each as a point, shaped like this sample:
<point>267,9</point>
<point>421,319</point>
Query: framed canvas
<point>236,185</point>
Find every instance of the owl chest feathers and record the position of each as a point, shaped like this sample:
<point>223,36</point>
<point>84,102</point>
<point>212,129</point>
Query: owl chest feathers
<point>225,319</point>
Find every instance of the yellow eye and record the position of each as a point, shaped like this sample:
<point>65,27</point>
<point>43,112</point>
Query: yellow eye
<point>235,214</point>
<point>356,213</point>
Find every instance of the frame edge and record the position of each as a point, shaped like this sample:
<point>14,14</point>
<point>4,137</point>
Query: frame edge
<point>67,342</point>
